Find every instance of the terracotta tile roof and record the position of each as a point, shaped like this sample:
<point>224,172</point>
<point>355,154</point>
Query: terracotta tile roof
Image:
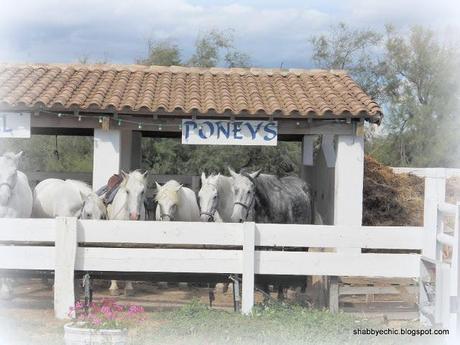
<point>185,90</point>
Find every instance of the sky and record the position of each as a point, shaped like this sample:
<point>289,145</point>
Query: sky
<point>270,32</point>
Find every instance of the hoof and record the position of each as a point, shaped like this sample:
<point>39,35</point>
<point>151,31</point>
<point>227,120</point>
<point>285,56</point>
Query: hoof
<point>114,292</point>
<point>129,292</point>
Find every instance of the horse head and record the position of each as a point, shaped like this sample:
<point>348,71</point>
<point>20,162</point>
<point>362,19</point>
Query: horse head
<point>244,189</point>
<point>167,198</point>
<point>208,197</point>
<point>8,175</point>
<point>93,208</point>
<point>134,185</point>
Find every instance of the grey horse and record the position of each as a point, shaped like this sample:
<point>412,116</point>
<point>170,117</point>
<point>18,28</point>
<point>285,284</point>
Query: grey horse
<point>269,199</point>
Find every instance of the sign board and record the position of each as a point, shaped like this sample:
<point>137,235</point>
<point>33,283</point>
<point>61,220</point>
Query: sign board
<point>14,125</point>
<point>223,132</point>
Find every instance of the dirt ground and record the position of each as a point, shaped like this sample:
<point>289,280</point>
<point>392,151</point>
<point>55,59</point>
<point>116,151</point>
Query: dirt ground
<point>28,318</point>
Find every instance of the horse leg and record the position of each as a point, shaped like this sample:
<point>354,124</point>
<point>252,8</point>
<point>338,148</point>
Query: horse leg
<point>114,291</point>
<point>281,294</point>
<point>129,289</point>
<point>5,289</point>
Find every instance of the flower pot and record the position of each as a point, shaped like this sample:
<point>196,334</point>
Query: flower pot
<point>74,335</point>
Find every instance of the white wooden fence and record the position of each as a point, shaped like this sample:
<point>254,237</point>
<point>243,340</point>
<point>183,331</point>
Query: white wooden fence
<point>62,245</point>
<point>64,255</point>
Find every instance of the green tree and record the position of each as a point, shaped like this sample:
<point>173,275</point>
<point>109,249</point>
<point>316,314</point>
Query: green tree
<point>162,53</point>
<point>212,44</point>
<point>422,88</point>
<point>354,50</point>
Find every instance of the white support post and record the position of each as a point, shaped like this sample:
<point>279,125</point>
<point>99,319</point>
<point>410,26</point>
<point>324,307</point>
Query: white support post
<point>435,192</point>
<point>348,195</point>
<point>112,153</point>
<point>249,233</point>
<point>349,175</point>
<point>65,254</point>
<point>455,275</point>
<point>327,145</point>
<point>308,142</point>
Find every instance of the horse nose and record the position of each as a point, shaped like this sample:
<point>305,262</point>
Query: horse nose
<point>134,216</point>
<point>240,221</point>
<point>209,219</point>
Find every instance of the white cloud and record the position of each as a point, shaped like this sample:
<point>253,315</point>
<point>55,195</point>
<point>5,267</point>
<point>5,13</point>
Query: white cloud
<point>272,32</point>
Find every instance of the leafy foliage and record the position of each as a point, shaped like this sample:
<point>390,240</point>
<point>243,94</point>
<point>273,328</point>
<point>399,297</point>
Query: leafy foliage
<point>415,76</point>
<point>354,50</point>
<point>168,156</point>
<point>211,48</point>
<point>162,53</point>
<point>50,153</point>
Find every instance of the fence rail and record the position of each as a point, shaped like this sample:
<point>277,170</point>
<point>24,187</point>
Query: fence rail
<point>248,249</point>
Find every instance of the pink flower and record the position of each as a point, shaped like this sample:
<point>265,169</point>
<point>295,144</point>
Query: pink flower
<point>97,321</point>
<point>78,305</point>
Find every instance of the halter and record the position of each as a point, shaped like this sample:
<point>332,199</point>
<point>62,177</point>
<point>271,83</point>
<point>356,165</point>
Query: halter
<point>171,218</point>
<point>10,187</point>
<point>212,211</point>
<point>247,207</point>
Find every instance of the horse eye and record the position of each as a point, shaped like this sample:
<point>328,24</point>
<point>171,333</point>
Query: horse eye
<point>249,192</point>
<point>215,196</point>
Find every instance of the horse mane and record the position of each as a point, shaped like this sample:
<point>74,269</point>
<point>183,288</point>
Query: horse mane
<point>264,183</point>
<point>169,190</point>
<point>9,155</point>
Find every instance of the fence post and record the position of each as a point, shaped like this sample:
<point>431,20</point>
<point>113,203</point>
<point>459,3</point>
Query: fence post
<point>435,192</point>
<point>249,233</point>
<point>455,284</point>
<point>65,253</point>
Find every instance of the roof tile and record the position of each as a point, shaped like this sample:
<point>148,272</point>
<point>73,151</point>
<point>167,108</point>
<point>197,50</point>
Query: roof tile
<point>255,91</point>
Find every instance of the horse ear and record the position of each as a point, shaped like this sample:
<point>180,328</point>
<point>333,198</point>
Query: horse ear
<point>157,185</point>
<point>232,172</point>
<point>124,174</point>
<point>18,156</point>
<point>256,173</point>
<point>203,178</point>
<point>180,186</point>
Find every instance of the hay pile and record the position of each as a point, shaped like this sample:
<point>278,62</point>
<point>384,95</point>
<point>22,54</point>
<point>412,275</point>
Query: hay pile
<point>389,198</point>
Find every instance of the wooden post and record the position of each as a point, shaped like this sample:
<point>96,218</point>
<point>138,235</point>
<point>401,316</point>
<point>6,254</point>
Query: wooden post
<point>136,150</point>
<point>455,276</point>
<point>334,294</point>
<point>435,192</point>
<point>249,230</point>
<point>348,195</point>
<point>65,254</point>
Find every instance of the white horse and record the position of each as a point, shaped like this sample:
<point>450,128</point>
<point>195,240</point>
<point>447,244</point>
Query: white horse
<point>15,193</point>
<point>128,204</point>
<point>176,203</point>
<point>216,198</point>
<point>15,198</point>
<point>67,198</point>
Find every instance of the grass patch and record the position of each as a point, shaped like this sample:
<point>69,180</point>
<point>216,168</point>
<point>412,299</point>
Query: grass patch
<point>275,323</point>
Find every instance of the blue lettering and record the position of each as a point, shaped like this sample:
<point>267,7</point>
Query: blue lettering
<point>187,125</point>
<point>252,130</point>
<point>211,130</point>
<point>271,129</point>
<point>223,128</point>
<point>237,129</point>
